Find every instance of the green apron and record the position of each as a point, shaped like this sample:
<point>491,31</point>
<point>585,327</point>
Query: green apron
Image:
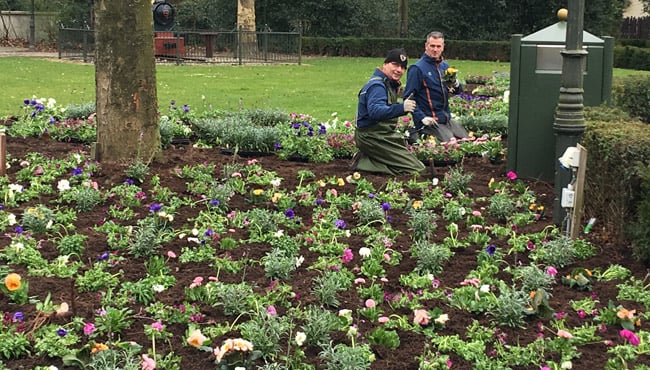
<point>383,149</point>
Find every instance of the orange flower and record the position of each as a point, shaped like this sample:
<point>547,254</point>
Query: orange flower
<point>98,347</point>
<point>624,313</point>
<point>12,282</point>
<point>196,338</point>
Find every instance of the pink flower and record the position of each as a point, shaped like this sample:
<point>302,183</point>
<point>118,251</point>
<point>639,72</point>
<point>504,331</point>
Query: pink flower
<point>629,336</point>
<point>157,326</point>
<point>383,319</point>
<point>89,328</point>
<point>148,363</point>
<point>359,281</point>
<point>564,334</point>
<point>171,254</point>
<point>370,303</point>
<point>421,317</point>
<point>551,271</point>
<point>272,311</point>
<point>347,255</point>
<point>581,313</point>
<point>512,175</point>
<point>472,281</point>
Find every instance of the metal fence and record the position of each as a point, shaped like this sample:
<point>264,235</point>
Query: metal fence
<point>226,47</point>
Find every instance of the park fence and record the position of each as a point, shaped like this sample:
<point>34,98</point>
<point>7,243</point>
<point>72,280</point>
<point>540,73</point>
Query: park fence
<point>225,47</point>
<point>636,28</point>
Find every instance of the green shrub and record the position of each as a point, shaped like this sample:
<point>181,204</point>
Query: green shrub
<point>81,110</point>
<point>634,97</point>
<point>611,186</point>
<point>639,231</point>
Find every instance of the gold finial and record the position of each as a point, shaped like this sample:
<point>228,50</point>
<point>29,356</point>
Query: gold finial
<point>562,14</point>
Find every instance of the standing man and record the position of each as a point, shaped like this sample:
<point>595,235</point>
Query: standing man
<point>432,82</point>
<point>381,147</point>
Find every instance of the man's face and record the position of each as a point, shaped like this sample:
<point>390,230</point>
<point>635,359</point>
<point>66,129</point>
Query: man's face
<point>393,70</point>
<point>434,48</point>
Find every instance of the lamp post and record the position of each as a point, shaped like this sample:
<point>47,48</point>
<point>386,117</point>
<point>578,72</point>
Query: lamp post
<point>32,28</point>
<point>569,122</point>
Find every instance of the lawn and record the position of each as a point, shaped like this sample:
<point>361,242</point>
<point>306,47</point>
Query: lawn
<point>320,86</point>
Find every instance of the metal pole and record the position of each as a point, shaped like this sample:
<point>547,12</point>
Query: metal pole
<point>569,122</point>
<point>32,28</point>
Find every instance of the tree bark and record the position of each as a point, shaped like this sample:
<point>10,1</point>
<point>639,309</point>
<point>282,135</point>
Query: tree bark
<point>125,82</point>
<point>246,20</point>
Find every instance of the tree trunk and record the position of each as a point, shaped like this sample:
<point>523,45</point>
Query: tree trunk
<point>246,23</point>
<point>125,82</point>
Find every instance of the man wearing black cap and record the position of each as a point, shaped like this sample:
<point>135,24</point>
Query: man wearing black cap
<point>381,147</point>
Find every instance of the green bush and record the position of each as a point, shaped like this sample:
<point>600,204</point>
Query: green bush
<point>81,110</point>
<point>633,96</point>
<point>611,186</point>
<point>639,231</point>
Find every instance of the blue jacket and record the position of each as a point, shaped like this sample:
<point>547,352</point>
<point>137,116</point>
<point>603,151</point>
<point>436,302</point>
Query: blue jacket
<point>378,101</point>
<point>431,94</point>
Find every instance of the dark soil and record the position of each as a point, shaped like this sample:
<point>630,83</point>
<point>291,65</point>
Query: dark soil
<point>84,305</point>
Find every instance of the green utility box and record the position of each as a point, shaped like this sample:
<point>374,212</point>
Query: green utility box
<point>535,81</point>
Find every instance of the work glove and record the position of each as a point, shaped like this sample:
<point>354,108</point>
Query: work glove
<point>455,84</point>
<point>409,106</point>
<point>429,121</point>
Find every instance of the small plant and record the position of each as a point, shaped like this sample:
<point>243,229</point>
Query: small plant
<point>370,211</point>
<point>501,206</point>
<point>327,287</point>
<point>558,252</point>
<point>84,197</point>
<point>532,278</point>
<point>137,171</point>
<point>510,308</point>
<point>279,264</point>
<point>385,338</point>
<point>344,357</point>
<point>422,223</point>
<point>38,219</point>
<point>579,279</point>
<point>457,181</point>
<point>317,325</point>
<point>303,139</point>
<point>430,256</point>
<point>266,331</point>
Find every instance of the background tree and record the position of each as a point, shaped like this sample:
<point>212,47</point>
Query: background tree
<point>125,82</point>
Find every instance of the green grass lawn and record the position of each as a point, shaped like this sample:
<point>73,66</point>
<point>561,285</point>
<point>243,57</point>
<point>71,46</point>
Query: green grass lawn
<point>320,86</point>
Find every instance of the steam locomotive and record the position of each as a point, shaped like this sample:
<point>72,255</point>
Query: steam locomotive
<point>165,43</point>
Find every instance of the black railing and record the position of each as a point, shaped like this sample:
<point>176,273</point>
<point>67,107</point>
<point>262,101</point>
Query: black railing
<point>231,47</point>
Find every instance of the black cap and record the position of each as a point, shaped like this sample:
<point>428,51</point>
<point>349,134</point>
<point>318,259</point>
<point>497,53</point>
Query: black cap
<point>397,56</point>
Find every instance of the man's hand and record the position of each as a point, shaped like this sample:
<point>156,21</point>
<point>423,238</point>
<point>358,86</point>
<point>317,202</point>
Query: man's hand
<point>409,106</point>
<point>429,121</point>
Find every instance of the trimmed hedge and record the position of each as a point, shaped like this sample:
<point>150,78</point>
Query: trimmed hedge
<point>630,57</point>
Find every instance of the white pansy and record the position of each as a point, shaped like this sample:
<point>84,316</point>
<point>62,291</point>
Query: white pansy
<point>16,188</point>
<point>566,365</point>
<point>63,185</point>
<point>442,319</point>
<point>435,181</point>
<point>195,232</point>
<point>158,288</point>
<point>485,288</point>
<point>17,246</point>
<point>300,338</point>
<point>11,219</point>
<point>364,252</point>
<point>299,261</point>
<point>276,182</point>
<point>49,224</point>
<point>279,233</point>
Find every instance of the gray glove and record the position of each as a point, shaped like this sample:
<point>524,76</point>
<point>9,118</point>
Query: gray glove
<point>409,106</point>
<point>429,121</point>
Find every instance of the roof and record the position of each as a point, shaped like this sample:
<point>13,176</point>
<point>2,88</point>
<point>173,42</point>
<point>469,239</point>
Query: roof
<point>557,33</point>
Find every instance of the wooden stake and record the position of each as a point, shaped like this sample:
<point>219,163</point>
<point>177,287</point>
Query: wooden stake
<point>3,154</point>
<point>578,188</point>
